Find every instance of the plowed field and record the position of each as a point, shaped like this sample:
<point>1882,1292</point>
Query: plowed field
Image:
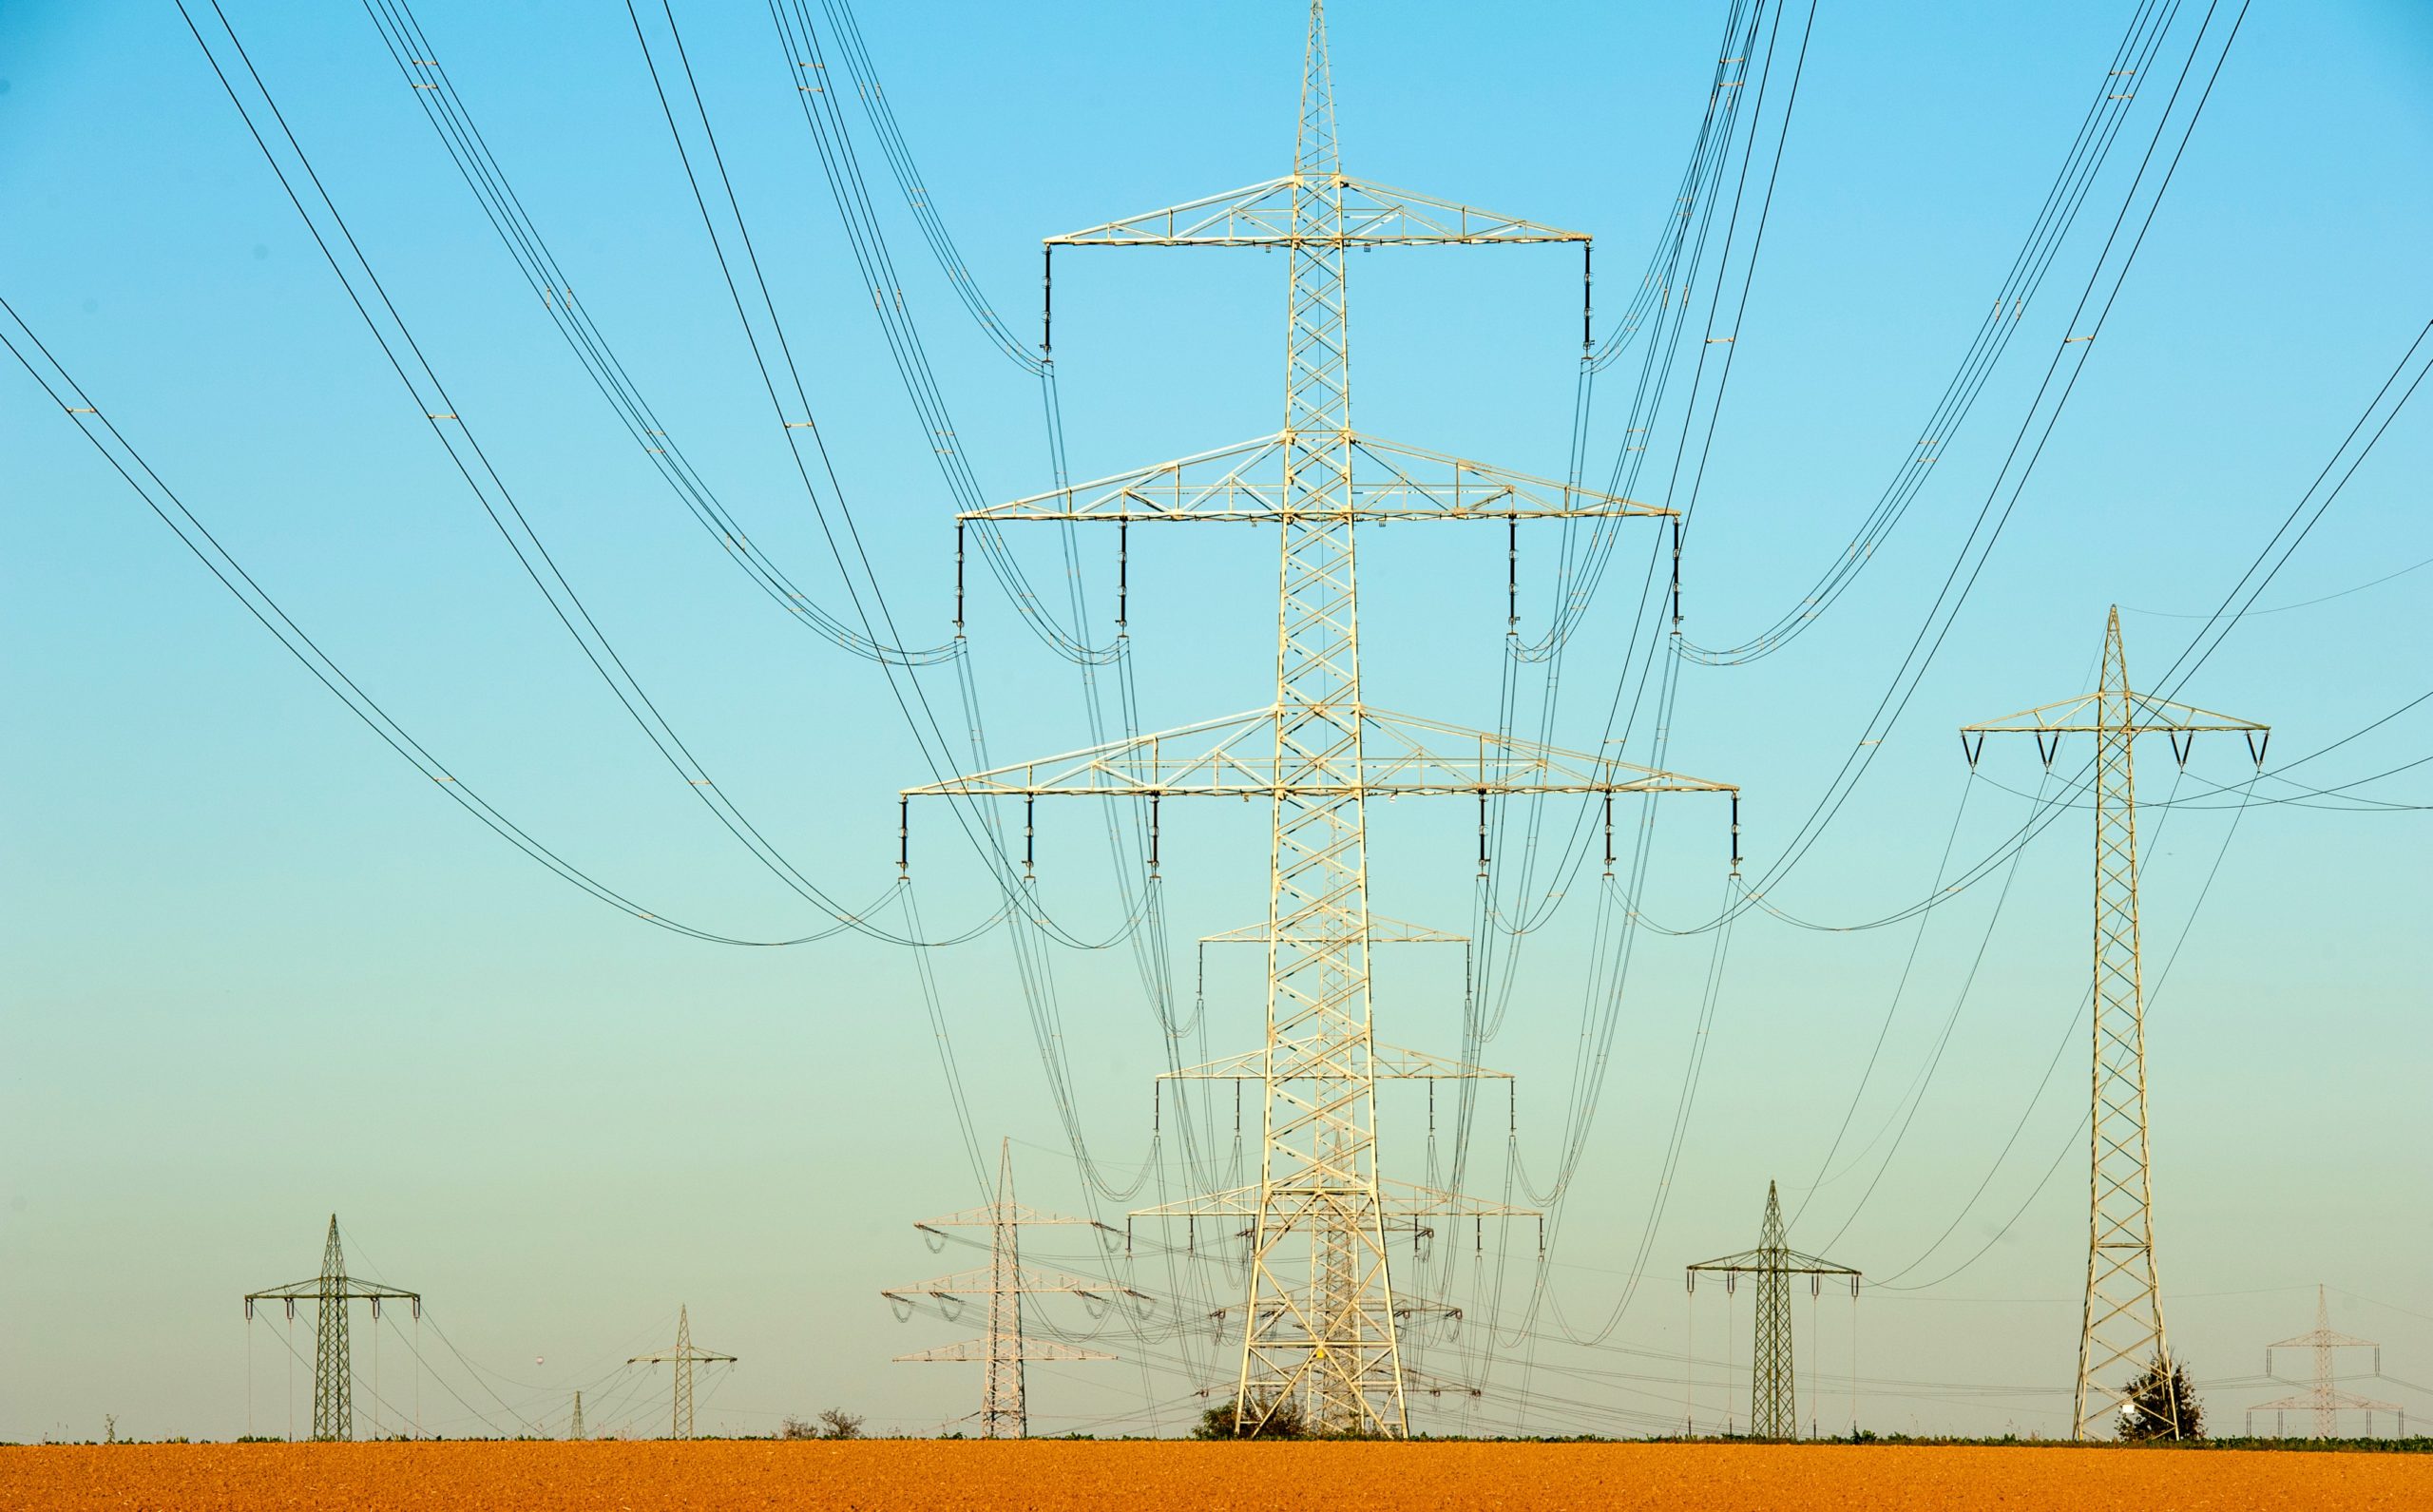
<point>926,1475</point>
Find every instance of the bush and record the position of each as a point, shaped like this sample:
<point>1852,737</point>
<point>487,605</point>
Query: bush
<point>1269,1417</point>
<point>835,1423</point>
<point>2163,1405</point>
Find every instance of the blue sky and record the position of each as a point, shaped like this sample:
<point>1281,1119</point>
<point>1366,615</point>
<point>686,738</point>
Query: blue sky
<point>261,971</point>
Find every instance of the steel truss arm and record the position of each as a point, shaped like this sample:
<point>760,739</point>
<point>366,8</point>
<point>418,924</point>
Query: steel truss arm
<point>997,1212</point>
<point>1263,215</point>
<point>1382,931</point>
<point>341,1288</point>
<point>2105,713</point>
<point>1250,482</point>
<point>977,1351</point>
<point>1763,1261</point>
<point>1237,757</point>
<point>1401,1205</point>
<point>983,1282</point>
<point>1386,1061</point>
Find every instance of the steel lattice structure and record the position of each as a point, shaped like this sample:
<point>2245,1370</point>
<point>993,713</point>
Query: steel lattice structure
<point>332,1368</point>
<point>1321,1333</point>
<point>2326,1401</point>
<point>1003,1410</point>
<point>683,1357</point>
<point>2122,1323</point>
<point>1773,1385</point>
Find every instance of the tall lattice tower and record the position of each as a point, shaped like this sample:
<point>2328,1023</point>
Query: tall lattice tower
<point>2122,1327</point>
<point>1319,1319</point>
<point>1004,1412</point>
<point>1773,1381</point>
<point>683,1357</point>
<point>332,1368</point>
<point>2326,1401</point>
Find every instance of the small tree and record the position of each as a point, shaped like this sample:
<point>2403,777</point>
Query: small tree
<point>1268,1417</point>
<point>837,1423</point>
<point>794,1427</point>
<point>2163,1405</point>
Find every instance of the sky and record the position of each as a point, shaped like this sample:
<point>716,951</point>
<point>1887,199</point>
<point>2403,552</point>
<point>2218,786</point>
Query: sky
<point>259,971</point>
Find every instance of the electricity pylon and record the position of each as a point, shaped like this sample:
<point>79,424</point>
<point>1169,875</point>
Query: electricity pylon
<point>1773,1385</point>
<point>2325,1400</point>
<point>574,1429</point>
<point>1318,1333</point>
<point>683,1357</point>
<point>1004,1412</point>
<point>2122,1321</point>
<point>332,1372</point>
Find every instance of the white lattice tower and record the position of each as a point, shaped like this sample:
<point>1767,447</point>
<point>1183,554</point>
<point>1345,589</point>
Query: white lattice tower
<point>2121,1325</point>
<point>1320,1331</point>
<point>1319,1173</point>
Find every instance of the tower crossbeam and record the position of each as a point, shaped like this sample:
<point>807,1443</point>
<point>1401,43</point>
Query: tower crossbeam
<point>1260,755</point>
<point>1251,482</point>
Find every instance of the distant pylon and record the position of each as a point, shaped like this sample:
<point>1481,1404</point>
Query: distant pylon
<point>683,1357</point>
<point>2121,1325</point>
<point>2325,1400</point>
<point>1003,1411</point>
<point>574,1429</point>
<point>1774,1388</point>
<point>332,1372</point>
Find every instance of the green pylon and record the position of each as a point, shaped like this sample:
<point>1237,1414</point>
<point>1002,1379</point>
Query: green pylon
<point>330,1292</point>
<point>1773,1397</point>
<point>333,1383</point>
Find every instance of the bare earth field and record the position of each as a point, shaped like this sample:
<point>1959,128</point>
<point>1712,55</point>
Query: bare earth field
<point>920,1474</point>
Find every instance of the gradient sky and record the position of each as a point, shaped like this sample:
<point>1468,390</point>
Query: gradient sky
<point>258,973</point>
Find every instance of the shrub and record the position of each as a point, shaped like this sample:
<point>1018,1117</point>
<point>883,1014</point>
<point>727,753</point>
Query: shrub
<point>2163,1405</point>
<point>1268,1417</point>
<point>837,1423</point>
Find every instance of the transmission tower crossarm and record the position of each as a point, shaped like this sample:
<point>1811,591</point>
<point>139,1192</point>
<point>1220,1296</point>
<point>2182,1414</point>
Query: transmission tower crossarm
<point>1752,1261</point>
<point>1240,757</point>
<point>1250,482</point>
<point>994,1214</point>
<point>1390,1061</point>
<point>350,1289</point>
<point>976,1351</point>
<point>2081,715</point>
<point>1401,1204</point>
<point>1265,215</point>
<point>1382,931</point>
<point>1022,1279</point>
